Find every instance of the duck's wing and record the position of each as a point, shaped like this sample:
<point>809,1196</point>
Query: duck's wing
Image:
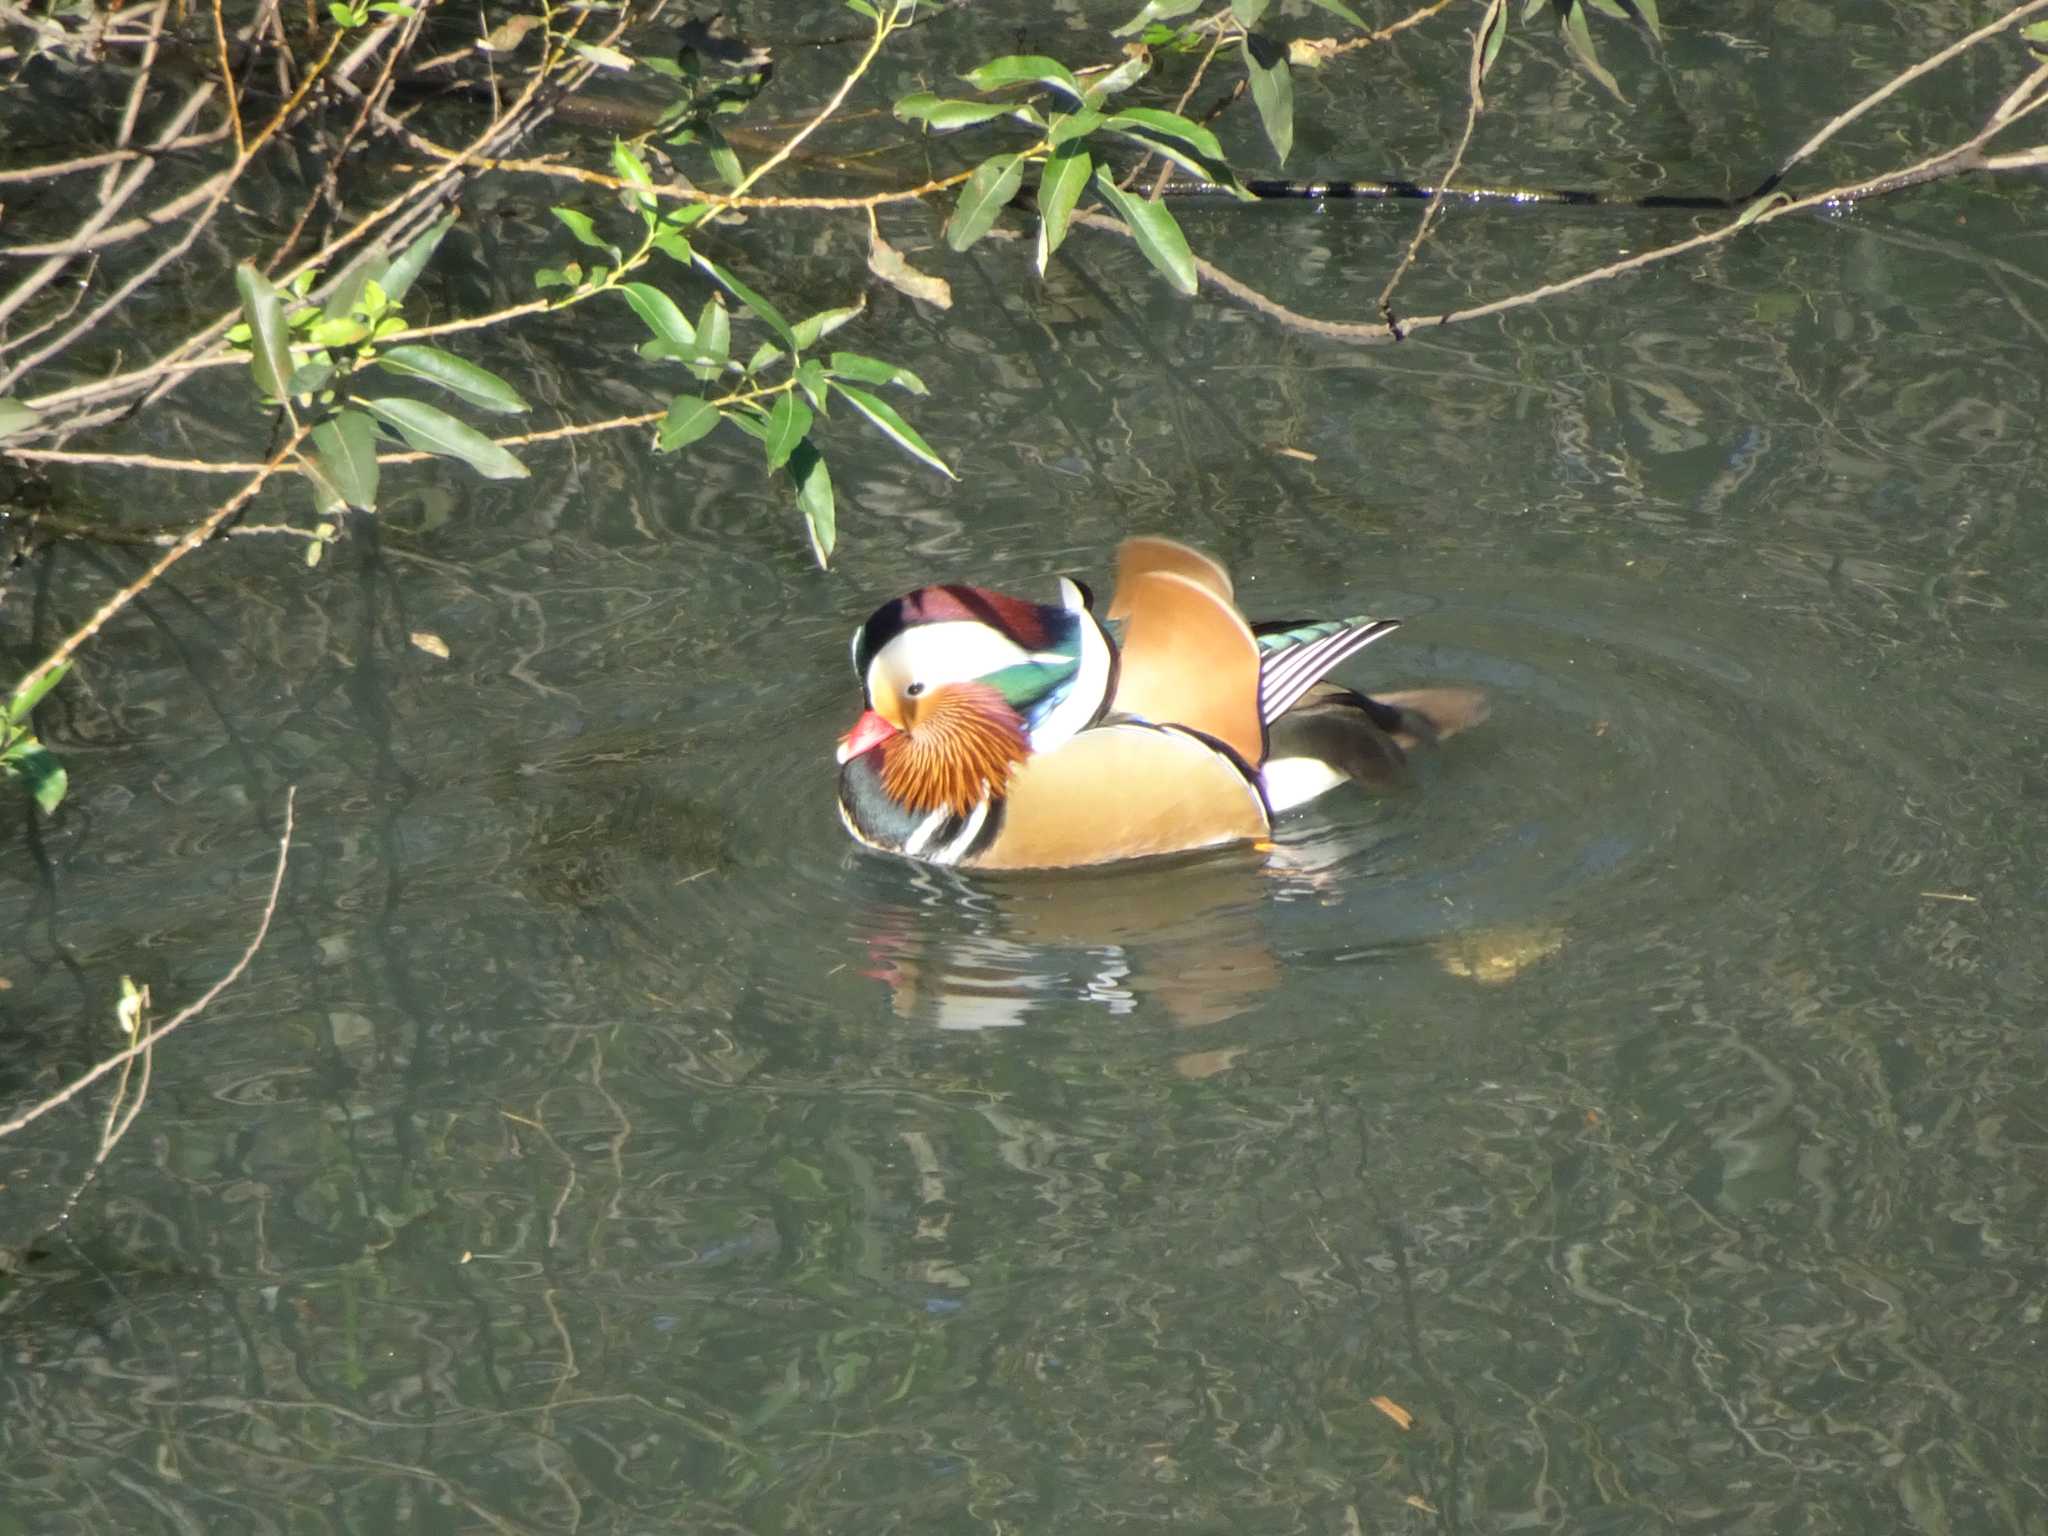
<point>1334,735</point>
<point>1148,553</point>
<point>1296,654</point>
<point>1188,658</point>
<point>1121,791</point>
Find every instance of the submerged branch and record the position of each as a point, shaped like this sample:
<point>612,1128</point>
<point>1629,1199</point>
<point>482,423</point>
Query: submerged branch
<point>145,1042</point>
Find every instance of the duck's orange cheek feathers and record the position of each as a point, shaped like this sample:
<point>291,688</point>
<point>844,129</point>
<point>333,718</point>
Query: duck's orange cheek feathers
<point>965,745</point>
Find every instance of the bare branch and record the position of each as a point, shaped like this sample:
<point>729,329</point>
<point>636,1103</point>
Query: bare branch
<point>143,1044</point>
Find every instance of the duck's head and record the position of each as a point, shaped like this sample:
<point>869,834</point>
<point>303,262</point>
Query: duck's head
<point>962,684</point>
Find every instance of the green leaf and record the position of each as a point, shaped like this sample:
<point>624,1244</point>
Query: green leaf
<point>579,224</point>
<point>36,766</point>
<point>1265,64</point>
<point>477,386</point>
<point>631,169</point>
<point>788,424</point>
<point>1155,10</point>
<point>346,445</point>
<point>1580,38</point>
<point>1155,231</point>
<point>336,331</point>
<point>658,312</point>
<point>714,338</point>
<point>341,298</point>
<point>942,115</point>
<point>1066,177</point>
<point>27,696</point>
<point>862,8</point>
<point>688,419</point>
<point>1338,8</point>
<point>752,421</point>
<point>1170,125</point>
<point>806,468</point>
<point>987,192</point>
<point>814,328</point>
<point>872,370</point>
<point>1760,207</point>
<point>761,308</point>
<point>894,427</point>
<point>597,53</point>
<point>16,417</point>
<point>404,271</point>
<point>270,353</point>
<point>1495,21</point>
<point>1122,78</point>
<point>1068,126</point>
<point>1016,69</point>
<point>810,378</point>
<point>764,354</point>
<point>432,430</point>
<point>1248,12</point>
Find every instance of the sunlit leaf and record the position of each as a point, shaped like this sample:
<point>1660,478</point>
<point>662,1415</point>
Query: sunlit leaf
<point>942,115</point>
<point>1496,23</point>
<point>687,420</point>
<point>872,370</point>
<point>761,308</point>
<point>16,417</point>
<point>270,354</point>
<point>788,424</point>
<point>658,312</point>
<point>37,767</point>
<point>714,339</point>
<point>1760,207</point>
<point>629,167</point>
<point>1017,69</point>
<point>597,53</point>
<point>987,192</point>
<point>1265,64</point>
<point>1066,177</point>
<point>750,421</point>
<point>811,379</point>
<point>1155,10</point>
<point>341,297</point>
<point>806,468</point>
<point>1073,125</point>
<point>579,224</point>
<point>1154,229</point>
<point>346,445</point>
<point>812,329</point>
<point>894,427</point>
<point>1579,37</point>
<point>1170,125</point>
<point>397,279</point>
<point>22,702</point>
<point>1247,12</point>
<point>461,378</point>
<point>1122,78</point>
<point>432,430</point>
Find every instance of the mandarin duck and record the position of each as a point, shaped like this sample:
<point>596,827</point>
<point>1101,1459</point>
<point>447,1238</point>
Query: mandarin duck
<point>1005,734</point>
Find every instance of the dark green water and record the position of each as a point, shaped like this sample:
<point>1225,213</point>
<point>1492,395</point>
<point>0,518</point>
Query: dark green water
<point>1651,1102</point>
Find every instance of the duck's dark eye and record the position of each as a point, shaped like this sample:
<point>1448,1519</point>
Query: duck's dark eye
<point>913,690</point>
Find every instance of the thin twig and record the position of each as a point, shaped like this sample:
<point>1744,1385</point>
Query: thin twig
<point>1894,85</point>
<point>1475,103</point>
<point>191,1010</point>
<point>227,80</point>
<point>178,551</point>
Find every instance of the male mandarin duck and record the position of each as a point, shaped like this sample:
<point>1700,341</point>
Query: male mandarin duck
<point>1005,734</point>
